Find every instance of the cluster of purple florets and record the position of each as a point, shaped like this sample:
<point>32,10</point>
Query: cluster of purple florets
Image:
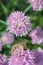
<point>37,5</point>
<point>24,57</point>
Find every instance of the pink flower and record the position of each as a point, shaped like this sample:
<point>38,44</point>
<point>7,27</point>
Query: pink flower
<point>7,38</point>
<point>3,59</point>
<point>18,23</point>
<point>37,36</point>
<point>24,57</point>
<point>36,4</point>
<point>38,60</point>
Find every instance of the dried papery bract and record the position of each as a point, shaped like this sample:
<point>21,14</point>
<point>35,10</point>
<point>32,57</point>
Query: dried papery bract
<point>18,46</point>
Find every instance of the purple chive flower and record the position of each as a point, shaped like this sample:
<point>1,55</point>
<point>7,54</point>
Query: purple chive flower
<point>7,38</point>
<point>37,36</point>
<point>18,23</point>
<point>24,57</point>
<point>1,45</point>
<point>3,59</point>
<point>36,4</point>
<point>6,63</point>
<point>38,57</point>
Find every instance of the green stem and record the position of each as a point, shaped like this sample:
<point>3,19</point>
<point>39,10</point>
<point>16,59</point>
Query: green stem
<point>5,9</point>
<point>1,21</point>
<point>28,8</point>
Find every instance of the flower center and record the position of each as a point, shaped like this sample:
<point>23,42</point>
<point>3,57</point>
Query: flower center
<point>20,24</point>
